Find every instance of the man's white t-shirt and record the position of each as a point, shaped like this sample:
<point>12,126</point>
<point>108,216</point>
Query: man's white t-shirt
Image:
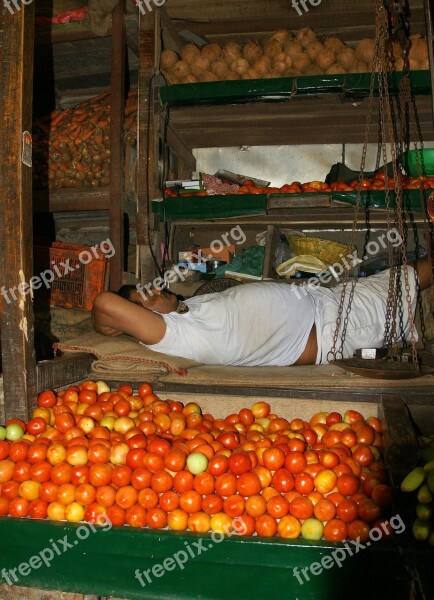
<point>268,324</point>
<point>253,324</point>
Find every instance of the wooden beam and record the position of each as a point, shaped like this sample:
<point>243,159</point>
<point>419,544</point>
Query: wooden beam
<point>429,16</point>
<point>68,200</point>
<point>117,111</point>
<point>62,371</point>
<point>16,243</point>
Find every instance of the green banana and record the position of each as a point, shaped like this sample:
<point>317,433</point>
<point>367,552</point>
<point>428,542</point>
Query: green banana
<point>421,530</point>
<point>424,496</point>
<point>429,466</point>
<point>423,512</point>
<point>414,479</point>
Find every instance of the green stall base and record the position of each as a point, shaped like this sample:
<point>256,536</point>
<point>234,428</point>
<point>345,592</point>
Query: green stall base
<point>210,207</point>
<point>281,88</point>
<point>236,568</point>
<point>220,207</point>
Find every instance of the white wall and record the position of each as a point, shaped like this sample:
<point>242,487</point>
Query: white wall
<point>284,164</point>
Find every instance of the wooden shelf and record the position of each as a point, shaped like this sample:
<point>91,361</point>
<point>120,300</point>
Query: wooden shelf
<point>71,199</point>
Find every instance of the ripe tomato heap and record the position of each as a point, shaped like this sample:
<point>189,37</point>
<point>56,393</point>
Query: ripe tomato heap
<point>147,462</point>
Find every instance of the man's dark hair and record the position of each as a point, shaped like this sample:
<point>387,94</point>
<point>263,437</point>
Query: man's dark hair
<point>126,290</point>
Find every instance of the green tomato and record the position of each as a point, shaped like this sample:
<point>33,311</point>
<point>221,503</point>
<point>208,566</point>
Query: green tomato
<point>2,432</point>
<point>312,529</point>
<point>197,463</point>
<point>14,432</point>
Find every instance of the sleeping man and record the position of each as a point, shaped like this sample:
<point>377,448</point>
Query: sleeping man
<point>257,324</point>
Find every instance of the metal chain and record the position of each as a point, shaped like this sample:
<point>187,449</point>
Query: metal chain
<point>343,323</point>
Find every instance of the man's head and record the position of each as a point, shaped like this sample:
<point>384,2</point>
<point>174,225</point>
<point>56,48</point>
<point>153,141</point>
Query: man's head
<point>160,301</point>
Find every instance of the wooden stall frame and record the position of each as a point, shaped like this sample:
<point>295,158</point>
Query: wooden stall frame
<point>16,239</point>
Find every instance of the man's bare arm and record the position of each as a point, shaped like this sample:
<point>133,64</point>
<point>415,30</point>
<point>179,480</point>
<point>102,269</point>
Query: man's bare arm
<point>113,316</point>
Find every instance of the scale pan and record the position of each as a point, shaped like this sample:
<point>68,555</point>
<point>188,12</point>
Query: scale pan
<point>382,368</point>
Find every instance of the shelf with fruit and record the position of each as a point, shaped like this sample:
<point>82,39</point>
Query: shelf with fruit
<point>251,199</point>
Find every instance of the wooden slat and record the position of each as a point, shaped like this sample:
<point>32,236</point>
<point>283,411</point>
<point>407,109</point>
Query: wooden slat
<point>67,369</point>
<point>17,330</point>
<point>117,111</point>
<point>74,199</point>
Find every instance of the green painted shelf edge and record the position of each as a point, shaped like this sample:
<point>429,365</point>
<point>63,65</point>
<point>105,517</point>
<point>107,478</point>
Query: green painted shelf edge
<point>353,85</point>
<point>219,207</point>
<point>104,563</point>
<point>209,207</point>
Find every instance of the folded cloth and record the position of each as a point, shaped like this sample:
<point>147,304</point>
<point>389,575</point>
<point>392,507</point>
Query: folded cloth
<point>122,357</point>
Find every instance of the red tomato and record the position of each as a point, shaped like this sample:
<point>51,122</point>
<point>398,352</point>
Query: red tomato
<point>226,484</point>
<point>4,506</point>
<point>10,489</point>
<point>363,455</point>
<point>126,496</point>
<point>248,484</point>
<point>283,480</point>
<point>37,452</point>
<point>121,475</point>
<point>347,511</point>
<point>335,531</point>
<point>233,505</point>
<point>183,481</point>
<point>273,458</point>
<point>4,449</point>
<point>218,464</point>
<point>169,501</point>
<point>61,473</point>
<point>36,426</point>
<point>85,494</point>
<point>80,474</point>
<point>48,491</point>
<point>190,501</point>
<point>41,471</point>
<point>304,483</point>
<point>21,471</point>
<point>295,462</point>
<point>98,453</point>
<point>266,526</point>
<point>47,399</point>
<point>161,481</point>
<point>301,507</point>
<point>324,510</point>
<point>19,507</point>
<point>117,515</point>
<point>358,529</point>
<point>156,518</point>
<point>278,507</point>
<point>204,483</point>
<point>18,451</point>
<point>382,495</point>
<point>38,509</point>
<point>347,484</point>
<point>153,461</point>
<point>141,478</point>
<point>177,520</point>
<point>239,462</point>
<point>229,439</point>
<point>212,504</point>
<point>368,510</point>
<point>100,474</point>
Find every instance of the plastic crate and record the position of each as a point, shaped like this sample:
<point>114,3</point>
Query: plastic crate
<point>81,280</point>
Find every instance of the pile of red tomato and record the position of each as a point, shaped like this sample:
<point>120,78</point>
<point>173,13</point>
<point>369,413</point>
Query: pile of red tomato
<point>378,182</point>
<point>148,462</point>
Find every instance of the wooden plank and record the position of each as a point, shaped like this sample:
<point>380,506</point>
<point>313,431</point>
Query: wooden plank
<point>180,149</point>
<point>295,201</point>
<point>67,200</point>
<point>17,329</point>
<point>117,112</point>
<point>429,30</point>
<point>273,234</point>
<point>61,371</point>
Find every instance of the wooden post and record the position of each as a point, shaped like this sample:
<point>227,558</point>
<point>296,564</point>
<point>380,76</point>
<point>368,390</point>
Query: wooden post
<point>16,242</point>
<point>147,153</point>
<point>429,12</point>
<point>117,112</point>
